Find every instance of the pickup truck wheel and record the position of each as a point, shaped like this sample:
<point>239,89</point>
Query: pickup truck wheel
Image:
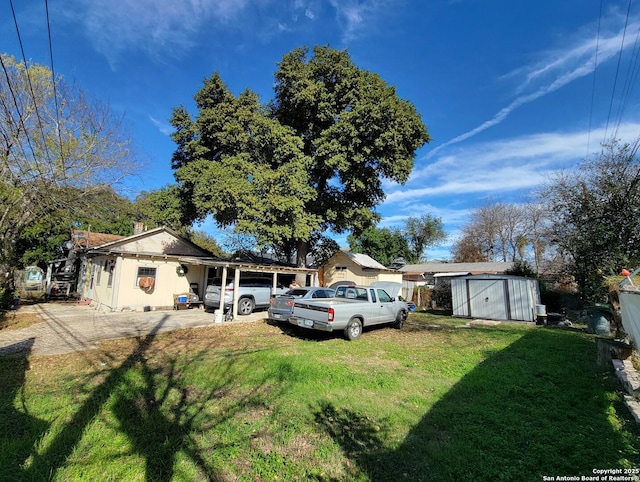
<point>353,329</point>
<point>245,306</point>
<point>401,317</point>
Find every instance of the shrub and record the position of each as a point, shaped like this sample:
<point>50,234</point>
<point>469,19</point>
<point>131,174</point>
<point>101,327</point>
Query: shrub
<point>6,298</point>
<point>522,268</point>
<point>442,296</point>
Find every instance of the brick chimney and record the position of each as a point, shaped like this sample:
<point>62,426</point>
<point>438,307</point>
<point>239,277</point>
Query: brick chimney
<point>138,227</point>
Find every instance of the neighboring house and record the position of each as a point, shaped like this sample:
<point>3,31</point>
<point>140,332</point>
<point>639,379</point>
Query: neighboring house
<point>436,273</point>
<point>356,267</point>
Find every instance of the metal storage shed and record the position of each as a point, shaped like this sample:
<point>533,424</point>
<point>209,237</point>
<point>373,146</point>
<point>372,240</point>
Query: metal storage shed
<point>495,297</point>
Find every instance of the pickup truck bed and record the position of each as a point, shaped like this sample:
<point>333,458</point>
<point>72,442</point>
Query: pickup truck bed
<point>281,307</point>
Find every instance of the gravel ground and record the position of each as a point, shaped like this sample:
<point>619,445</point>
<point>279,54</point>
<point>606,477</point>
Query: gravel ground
<point>70,327</point>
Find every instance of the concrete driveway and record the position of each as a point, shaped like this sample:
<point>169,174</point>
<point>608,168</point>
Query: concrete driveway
<point>69,327</point>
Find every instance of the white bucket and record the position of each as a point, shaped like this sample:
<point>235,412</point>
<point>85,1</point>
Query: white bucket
<point>217,316</point>
<point>541,310</point>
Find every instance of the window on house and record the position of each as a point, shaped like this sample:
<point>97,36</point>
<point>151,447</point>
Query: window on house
<point>144,272</point>
<point>99,277</point>
<point>110,268</point>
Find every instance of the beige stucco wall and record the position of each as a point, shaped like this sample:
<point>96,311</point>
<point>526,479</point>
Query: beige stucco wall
<point>340,268</point>
<point>99,289</point>
<point>125,293</point>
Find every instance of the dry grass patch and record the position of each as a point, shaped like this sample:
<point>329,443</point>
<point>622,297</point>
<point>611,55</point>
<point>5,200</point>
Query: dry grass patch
<point>16,320</point>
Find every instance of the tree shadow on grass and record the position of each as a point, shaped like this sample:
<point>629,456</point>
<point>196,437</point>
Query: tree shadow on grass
<point>19,431</point>
<point>154,407</point>
<point>44,465</point>
<point>539,407</point>
<point>160,413</point>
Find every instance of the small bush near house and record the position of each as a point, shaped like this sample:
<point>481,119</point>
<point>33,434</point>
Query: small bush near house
<point>442,296</point>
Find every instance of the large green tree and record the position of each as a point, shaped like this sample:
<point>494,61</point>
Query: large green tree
<point>594,212</point>
<point>162,207</point>
<point>382,244</point>
<point>166,207</point>
<point>208,242</point>
<point>311,160</point>
<point>423,232</point>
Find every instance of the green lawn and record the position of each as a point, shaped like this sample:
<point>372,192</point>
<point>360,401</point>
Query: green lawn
<point>258,402</point>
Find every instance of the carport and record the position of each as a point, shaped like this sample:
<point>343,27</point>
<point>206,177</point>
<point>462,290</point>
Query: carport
<point>239,267</point>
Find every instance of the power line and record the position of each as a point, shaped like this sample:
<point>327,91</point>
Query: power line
<point>33,95</point>
<point>630,80</point>
<point>615,80</point>
<point>20,118</point>
<point>53,82</point>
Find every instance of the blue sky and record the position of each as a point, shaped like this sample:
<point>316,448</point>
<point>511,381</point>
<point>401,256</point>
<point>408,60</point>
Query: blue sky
<point>511,92</point>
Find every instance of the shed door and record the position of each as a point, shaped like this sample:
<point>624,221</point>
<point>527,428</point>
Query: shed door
<point>488,299</point>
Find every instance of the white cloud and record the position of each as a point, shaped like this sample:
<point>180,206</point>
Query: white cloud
<point>557,69</point>
<point>160,28</point>
<point>166,28</point>
<point>163,127</point>
<point>449,185</point>
<point>449,216</point>
<point>501,167</point>
<point>354,16</point>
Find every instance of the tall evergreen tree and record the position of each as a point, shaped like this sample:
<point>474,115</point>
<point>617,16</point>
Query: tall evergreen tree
<point>311,160</point>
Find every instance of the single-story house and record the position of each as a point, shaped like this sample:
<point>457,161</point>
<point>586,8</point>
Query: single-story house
<point>356,267</point>
<point>144,271</point>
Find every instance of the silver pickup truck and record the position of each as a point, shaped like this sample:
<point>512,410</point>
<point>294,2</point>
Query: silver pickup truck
<point>353,308</point>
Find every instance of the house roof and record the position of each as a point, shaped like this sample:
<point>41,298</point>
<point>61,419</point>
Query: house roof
<point>88,239</point>
<point>204,258</point>
<point>474,268</point>
<point>181,248</point>
<point>364,260</point>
